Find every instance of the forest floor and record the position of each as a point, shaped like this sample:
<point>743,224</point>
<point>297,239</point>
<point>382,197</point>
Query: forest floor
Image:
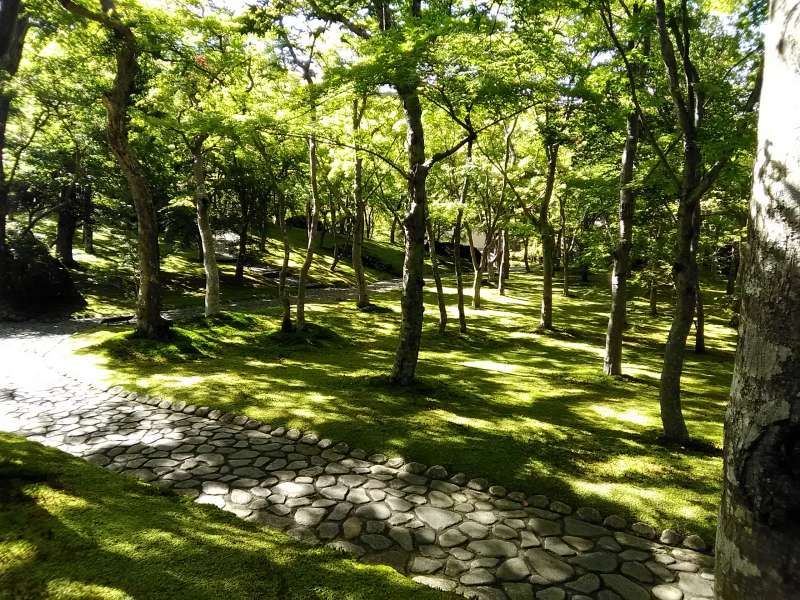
<point>70,530</point>
<point>529,410</point>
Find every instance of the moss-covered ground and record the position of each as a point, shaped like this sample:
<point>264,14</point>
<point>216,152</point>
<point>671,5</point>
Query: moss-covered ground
<point>525,409</point>
<point>70,530</point>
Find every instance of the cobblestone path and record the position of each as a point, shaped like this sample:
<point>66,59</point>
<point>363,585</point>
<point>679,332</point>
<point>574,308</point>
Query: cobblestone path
<point>444,530</point>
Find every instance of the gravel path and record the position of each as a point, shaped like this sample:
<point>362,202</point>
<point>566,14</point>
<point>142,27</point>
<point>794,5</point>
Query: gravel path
<point>446,531</point>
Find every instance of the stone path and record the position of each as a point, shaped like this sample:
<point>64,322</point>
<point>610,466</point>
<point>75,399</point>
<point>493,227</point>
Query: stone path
<point>444,530</point>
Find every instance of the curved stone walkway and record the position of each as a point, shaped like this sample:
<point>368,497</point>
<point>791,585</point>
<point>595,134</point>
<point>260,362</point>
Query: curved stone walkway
<point>443,530</point>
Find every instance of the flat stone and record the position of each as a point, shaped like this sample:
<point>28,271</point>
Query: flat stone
<point>666,592</point>
<point>514,569</point>
<point>451,537</point>
<point>402,537</point>
<point>357,496</point>
<point>477,577</point>
<point>633,541</point>
<point>615,522</point>
<point>578,543</point>
<point>545,527</point>
<point>474,530</point>
<point>518,591</point>
<point>528,539</point>
<point>328,530</point>
<point>374,510</point>
<point>351,528</point>
<point>551,593</point>
<point>586,584</point>
<point>637,555</point>
<point>440,499</point>
<point>334,492</point>
<point>496,548</point>
<point>484,517</point>
<point>215,488</point>
<point>573,526</point>
<point>309,517</point>
<point>627,589</point>
<point>589,514</point>
<point>398,504</point>
<point>560,508</point>
<point>549,567</point>
<point>599,562</point>
<point>504,532</point>
<point>558,546</point>
<point>240,496</point>
<point>437,518</point>
<point>376,541</point>
<point>478,484</point>
<point>637,571</point>
<point>340,511</point>
<point>291,489</point>
<point>421,564</point>
<point>692,584</point>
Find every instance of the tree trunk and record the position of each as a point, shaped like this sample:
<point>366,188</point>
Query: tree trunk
<point>525,255</point>
<point>699,324</point>
<point>283,289</point>
<point>548,240</point>
<point>477,281</point>
<point>313,233</point>
<point>501,284</point>
<point>457,260</point>
<point>67,224</point>
<point>88,220</point>
<point>149,322</point>
<point>685,275</point>
<point>411,302</point>
<point>653,299</point>
<point>244,229</point>
<point>437,279</point>
<point>612,363</point>
<point>733,269</point>
<point>212,296</point>
<point>758,539</point>
<point>358,199</point>
<point>13,28</point>
<point>393,229</point>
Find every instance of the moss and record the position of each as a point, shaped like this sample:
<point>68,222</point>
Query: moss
<point>76,531</point>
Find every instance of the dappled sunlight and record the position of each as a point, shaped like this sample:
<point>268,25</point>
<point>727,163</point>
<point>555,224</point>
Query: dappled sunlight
<point>630,415</point>
<point>531,410</point>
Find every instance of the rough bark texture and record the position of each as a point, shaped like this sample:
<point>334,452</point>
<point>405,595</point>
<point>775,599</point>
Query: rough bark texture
<point>525,256</point>
<point>358,199</point>
<point>612,362</point>
<point>437,279</point>
<point>699,324</point>
<point>88,220</point>
<point>758,539</point>
<point>67,225</point>
<point>653,299</point>
<point>548,240</point>
<point>149,322</point>
<point>501,284</point>
<point>212,297</point>
<point>283,290</point>
<point>733,269</point>
<point>13,27</point>
<point>313,233</point>
<point>411,303</point>
<point>457,260</point>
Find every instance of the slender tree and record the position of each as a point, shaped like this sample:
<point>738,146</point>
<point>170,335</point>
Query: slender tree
<point>149,322</point>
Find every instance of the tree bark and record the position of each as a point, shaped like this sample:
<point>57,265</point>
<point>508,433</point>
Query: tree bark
<point>88,219</point>
<point>699,324</point>
<point>458,264</point>
<point>758,538</point>
<point>313,226</point>
<point>548,239</point>
<point>283,289</point>
<point>212,295</point>
<point>437,279</point>
<point>612,363</point>
<point>477,281</point>
<point>411,302</point>
<point>733,269</point>
<point>244,230</point>
<point>67,224</point>
<point>358,198</point>
<point>525,255</point>
<point>653,299</point>
<point>149,322</point>
<point>501,284</point>
<point>14,25</point>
